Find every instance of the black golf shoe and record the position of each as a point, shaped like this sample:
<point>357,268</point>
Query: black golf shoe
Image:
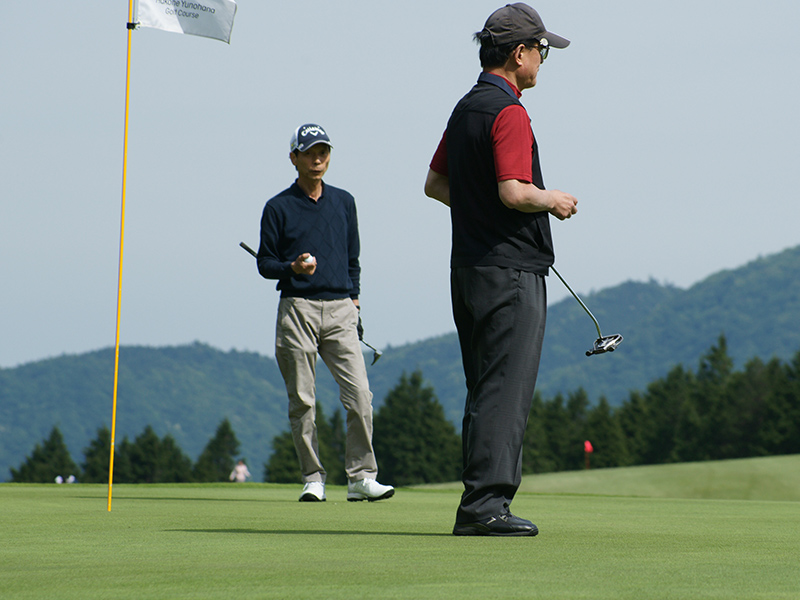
<point>505,524</point>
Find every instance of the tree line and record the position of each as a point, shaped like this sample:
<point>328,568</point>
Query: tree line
<point>712,413</point>
<point>147,459</point>
<point>430,454</point>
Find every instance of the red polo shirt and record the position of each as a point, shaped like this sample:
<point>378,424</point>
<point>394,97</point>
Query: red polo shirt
<point>512,141</point>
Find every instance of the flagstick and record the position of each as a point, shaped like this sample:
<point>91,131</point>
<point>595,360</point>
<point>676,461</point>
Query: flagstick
<point>121,250</point>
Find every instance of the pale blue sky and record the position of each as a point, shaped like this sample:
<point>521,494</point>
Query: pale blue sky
<point>674,123</point>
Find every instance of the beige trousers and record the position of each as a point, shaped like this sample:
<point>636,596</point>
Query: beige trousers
<point>304,329</point>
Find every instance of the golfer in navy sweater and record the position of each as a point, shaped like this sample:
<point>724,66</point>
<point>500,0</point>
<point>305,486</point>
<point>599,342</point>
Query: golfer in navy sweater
<point>310,244</point>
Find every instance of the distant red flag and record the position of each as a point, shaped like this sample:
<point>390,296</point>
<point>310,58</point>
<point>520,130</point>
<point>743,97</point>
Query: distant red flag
<point>587,447</point>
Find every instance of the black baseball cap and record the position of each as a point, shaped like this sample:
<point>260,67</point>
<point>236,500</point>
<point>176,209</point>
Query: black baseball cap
<point>518,22</point>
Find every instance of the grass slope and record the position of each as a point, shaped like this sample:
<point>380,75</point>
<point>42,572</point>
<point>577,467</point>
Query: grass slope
<point>765,478</point>
<point>257,541</point>
<point>773,478</point>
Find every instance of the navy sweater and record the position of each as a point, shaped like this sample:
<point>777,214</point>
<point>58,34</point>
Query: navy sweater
<point>292,223</point>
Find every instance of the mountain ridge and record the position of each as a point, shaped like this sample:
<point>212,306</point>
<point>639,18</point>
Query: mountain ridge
<point>187,390</point>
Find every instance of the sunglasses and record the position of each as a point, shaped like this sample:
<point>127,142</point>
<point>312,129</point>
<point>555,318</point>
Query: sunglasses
<point>543,49</point>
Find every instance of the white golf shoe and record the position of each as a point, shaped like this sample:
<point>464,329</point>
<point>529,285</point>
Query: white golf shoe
<point>368,489</point>
<point>313,491</point>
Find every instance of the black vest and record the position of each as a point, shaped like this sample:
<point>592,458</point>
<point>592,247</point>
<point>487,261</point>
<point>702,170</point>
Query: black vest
<point>485,231</point>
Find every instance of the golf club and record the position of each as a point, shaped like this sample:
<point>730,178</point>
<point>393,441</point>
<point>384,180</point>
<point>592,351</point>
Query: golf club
<point>602,344</point>
<point>376,354</point>
<point>249,249</point>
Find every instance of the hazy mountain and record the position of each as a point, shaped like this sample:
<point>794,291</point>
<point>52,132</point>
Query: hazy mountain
<point>187,390</point>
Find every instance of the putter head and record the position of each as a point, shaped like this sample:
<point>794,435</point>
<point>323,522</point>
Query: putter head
<point>376,354</point>
<point>605,344</point>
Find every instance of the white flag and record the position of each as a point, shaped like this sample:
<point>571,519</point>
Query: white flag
<point>207,18</point>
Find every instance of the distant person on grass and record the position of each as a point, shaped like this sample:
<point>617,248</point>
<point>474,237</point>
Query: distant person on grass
<point>240,472</point>
<point>310,244</point>
<point>486,169</point>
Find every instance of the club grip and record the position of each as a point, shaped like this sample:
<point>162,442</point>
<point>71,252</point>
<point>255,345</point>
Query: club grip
<point>249,249</point>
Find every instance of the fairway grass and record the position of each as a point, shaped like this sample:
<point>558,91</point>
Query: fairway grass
<point>256,541</point>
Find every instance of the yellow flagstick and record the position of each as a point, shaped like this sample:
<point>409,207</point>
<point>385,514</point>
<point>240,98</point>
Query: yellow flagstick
<point>121,249</point>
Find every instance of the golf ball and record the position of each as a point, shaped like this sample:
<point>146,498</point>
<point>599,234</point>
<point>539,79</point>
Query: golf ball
<point>310,259</point>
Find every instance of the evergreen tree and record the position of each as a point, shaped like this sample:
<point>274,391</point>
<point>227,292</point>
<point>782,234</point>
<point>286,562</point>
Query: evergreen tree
<point>555,422</point>
<point>96,458</point>
<point>791,400</point>
<point>48,461</point>
<point>716,365</point>
<point>143,457</point>
<point>536,451</point>
<point>635,421</point>
<point>173,465</point>
<point>217,459</point>
<point>714,438</point>
<point>746,396</point>
<point>331,437</point>
<point>283,466</point>
<point>779,433</point>
<point>153,460</point>
<point>687,443</point>
<point>577,429</point>
<point>605,434</point>
<point>664,401</point>
<point>555,433</point>
<point>337,445</point>
<point>123,468</point>
<point>413,440</point>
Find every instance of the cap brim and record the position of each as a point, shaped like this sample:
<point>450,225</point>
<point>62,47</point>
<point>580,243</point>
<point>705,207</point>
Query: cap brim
<point>555,41</point>
<point>319,142</point>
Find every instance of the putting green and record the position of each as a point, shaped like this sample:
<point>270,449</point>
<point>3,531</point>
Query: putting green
<point>256,541</point>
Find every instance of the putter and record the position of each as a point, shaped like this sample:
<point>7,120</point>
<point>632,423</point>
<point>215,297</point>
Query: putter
<point>602,344</point>
<point>376,354</point>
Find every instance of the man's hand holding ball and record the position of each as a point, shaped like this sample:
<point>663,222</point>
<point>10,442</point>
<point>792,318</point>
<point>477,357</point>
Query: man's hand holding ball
<point>305,264</point>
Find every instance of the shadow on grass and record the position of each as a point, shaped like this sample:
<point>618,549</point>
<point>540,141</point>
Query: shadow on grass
<point>309,532</point>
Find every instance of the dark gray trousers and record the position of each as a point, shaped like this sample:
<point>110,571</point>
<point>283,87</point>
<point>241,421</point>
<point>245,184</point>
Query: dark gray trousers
<point>500,317</point>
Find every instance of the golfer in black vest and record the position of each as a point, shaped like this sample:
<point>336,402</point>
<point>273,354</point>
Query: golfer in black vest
<point>486,169</point>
